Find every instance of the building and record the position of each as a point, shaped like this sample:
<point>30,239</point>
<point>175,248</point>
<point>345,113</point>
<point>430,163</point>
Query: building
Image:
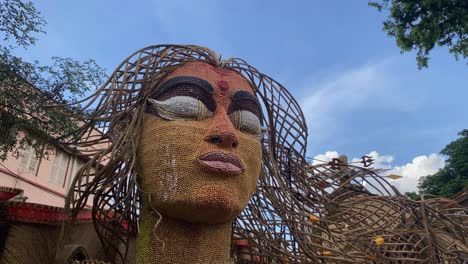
<point>43,180</point>
<point>32,197</point>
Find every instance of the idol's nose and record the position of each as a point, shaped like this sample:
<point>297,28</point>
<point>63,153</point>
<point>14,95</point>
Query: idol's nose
<point>224,140</point>
<point>221,132</point>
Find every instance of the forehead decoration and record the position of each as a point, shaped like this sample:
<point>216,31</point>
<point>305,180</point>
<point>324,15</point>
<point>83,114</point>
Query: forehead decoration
<point>223,86</point>
<point>334,212</point>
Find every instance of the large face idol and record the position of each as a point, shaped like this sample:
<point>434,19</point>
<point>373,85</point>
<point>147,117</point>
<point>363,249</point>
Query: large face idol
<point>200,154</point>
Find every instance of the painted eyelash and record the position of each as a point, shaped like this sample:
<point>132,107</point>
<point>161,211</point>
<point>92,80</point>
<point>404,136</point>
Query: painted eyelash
<point>180,80</point>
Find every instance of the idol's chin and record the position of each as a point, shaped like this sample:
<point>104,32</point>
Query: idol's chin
<point>211,204</point>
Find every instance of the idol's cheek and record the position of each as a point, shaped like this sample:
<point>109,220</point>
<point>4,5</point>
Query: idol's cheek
<point>250,151</point>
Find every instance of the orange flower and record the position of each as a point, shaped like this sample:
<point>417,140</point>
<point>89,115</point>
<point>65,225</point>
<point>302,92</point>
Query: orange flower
<point>314,219</point>
<point>368,258</point>
<point>379,240</point>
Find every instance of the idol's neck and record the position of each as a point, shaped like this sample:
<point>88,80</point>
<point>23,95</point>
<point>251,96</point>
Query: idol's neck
<point>176,241</point>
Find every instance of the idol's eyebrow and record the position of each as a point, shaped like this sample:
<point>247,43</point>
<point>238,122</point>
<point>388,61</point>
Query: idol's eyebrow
<point>243,100</point>
<point>244,95</point>
<point>180,80</point>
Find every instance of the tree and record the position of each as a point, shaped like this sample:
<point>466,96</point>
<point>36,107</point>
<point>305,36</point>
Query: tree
<point>412,195</point>
<point>457,152</point>
<point>28,90</point>
<point>420,25</point>
<point>454,176</point>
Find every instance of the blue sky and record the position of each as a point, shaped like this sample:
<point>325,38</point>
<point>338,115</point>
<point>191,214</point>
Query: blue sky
<point>359,94</point>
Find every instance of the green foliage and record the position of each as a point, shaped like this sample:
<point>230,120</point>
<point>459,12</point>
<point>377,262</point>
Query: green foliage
<point>30,91</point>
<point>457,153</point>
<point>19,20</point>
<point>412,195</point>
<point>420,25</point>
<point>454,176</point>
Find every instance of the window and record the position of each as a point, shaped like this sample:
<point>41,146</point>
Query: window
<point>29,161</point>
<point>75,164</point>
<point>59,168</point>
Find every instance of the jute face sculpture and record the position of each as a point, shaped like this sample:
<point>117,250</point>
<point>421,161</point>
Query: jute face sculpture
<point>186,141</point>
<point>200,152</point>
<point>200,158</point>
<point>183,149</point>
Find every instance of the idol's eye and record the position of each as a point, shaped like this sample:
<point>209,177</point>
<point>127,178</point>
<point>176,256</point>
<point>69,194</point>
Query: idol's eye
<point>244,112</point>
<point>182,98</point>
<point>246,121</point>
<point>181,108</point>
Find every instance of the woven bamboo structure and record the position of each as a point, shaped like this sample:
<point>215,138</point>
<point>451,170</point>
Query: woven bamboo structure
<point>330,213</point>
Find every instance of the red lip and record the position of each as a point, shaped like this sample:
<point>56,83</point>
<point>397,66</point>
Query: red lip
<point>220,162</point>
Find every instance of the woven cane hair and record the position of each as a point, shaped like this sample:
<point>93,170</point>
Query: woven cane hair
<point>330,213</point>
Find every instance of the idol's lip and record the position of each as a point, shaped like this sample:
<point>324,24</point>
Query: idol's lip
<point>220,162</point>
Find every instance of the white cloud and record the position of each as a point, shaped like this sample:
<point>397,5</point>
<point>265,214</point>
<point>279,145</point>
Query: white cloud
<point>420,166</point>
<point>321,158</point>
<point>380,161</point>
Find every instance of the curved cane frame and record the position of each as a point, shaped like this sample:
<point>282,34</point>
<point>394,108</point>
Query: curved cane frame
<point>332,213</point>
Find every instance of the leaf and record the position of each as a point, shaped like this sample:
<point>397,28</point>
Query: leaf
<point>394,176</point>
